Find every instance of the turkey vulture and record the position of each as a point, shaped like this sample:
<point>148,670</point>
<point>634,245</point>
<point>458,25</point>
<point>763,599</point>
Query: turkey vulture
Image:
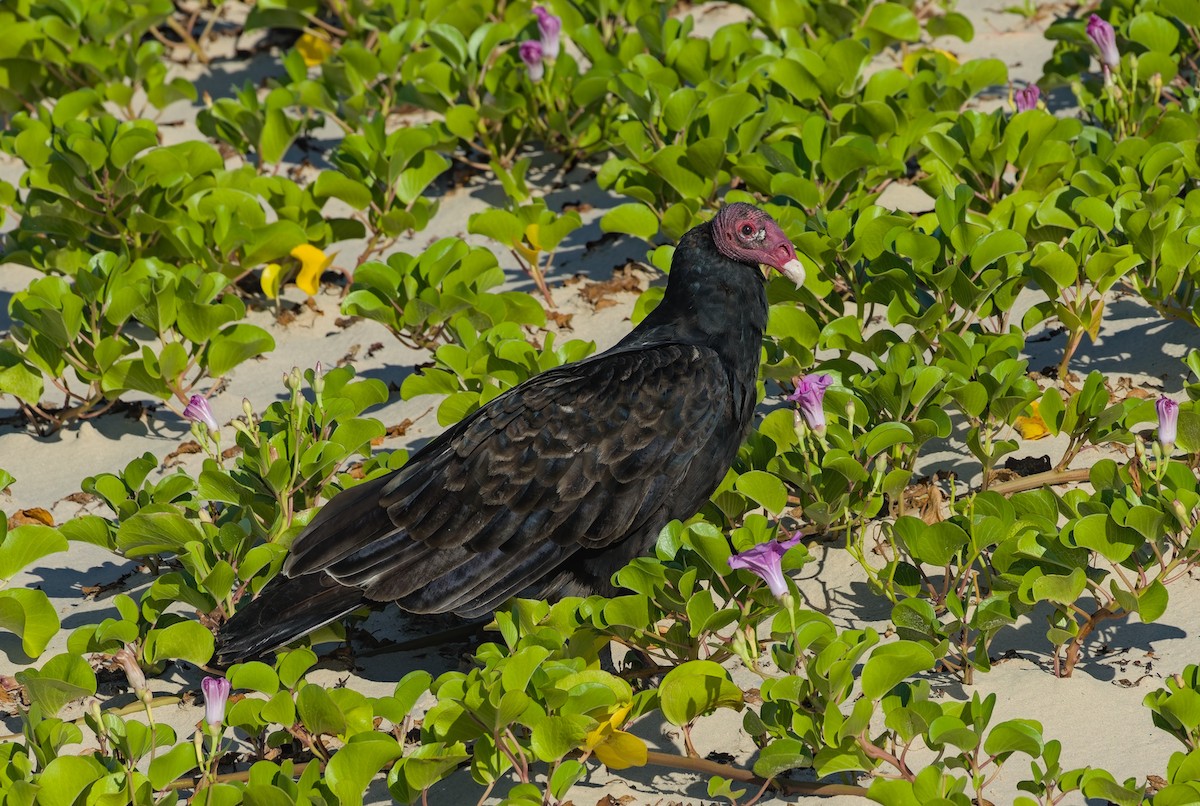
<point>557,483</point>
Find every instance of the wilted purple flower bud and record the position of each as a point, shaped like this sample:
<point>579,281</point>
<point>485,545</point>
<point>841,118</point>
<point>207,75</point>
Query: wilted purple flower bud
<point>531,54</point>
<point>127,660</point>
<point>1168,422</point>
<point>216,694</point>
<point>1102,33</point>
<point>810,394</point>
<point>766,560</point>
<point>1027,98</point>
<point>550,27</point>
<point>198,411</point>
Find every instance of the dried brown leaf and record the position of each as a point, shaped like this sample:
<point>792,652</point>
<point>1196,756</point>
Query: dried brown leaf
<point>399,429</point>
<point>35,515</point>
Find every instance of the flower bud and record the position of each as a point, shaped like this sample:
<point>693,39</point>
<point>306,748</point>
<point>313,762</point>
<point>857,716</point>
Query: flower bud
<point>216,694</point>
<point>126,659</point>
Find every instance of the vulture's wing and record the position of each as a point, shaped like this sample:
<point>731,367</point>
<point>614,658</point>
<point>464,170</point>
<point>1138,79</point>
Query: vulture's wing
<point>576,458</point>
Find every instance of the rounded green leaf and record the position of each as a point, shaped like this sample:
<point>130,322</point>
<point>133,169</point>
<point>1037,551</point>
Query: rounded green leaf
<point>186,640</point>
<point>555,736</point>
<point>1015,736</point>
<point>28,614</point>
<point>764,489</point>
<point>696,688</point>
<point>351,769</point>
<point>891,663</point>
<point>318,711</point>
<point>631,219</point>
<point>234,345</point>
<point>66,777</point>
<point>336,185</point>
<point>62,679</point>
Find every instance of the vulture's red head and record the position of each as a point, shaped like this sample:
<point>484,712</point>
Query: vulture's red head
<point>744,233</point>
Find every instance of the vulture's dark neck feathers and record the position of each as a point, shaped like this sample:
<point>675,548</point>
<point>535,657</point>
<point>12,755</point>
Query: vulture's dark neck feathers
<point>710,300</point>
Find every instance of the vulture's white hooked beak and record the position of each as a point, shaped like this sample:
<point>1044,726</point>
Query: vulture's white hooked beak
<point>793,271</point>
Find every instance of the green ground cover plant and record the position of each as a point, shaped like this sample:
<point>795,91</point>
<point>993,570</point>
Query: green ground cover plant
<point>906,338</point>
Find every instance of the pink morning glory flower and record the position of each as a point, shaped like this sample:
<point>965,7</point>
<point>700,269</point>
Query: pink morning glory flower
<point>216,694</point>
<point>810,395</point>
<point>1102,33</point>
<point>766,560</point>
<point>1027,98</point>
<point>1168,422</point>
<point>198,411</point>
<point>531,54</point>
<point>550,27</point>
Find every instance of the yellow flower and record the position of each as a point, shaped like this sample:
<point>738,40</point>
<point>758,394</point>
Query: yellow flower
<point>271,279</point>
<point>313,263</point>
<point>615,748</point>
<point>1032,427</point>
<point>314,49</point>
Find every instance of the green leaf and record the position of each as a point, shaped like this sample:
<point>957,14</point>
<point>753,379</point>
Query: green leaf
<point>292,665</point>
<point>935,544</point>
<point>1062,589</point>
<point>28,614</point>
<point>186,640</point>
<point>334,184</point>
<point>632,219</point>
<point>318,712</point>
<point>27,544</point>
<point>1152,602</point>
<point>1015,736</point>
<point>1111,791</point>
<point>696,688</point>
<point>780,756</point>
<point>892,663</point>
<point>66,777</point>
<point>18,378</point>
<point>764,489</point>
<point>175,763</point>
<point>156,529</point>
<point>568,773</point>
<point>234,345</point>
<point>893,20</point>
<point>254,675</point>
<point>885,436</point>
<point>557,735</point>
<point>62,679</point>
<point>1102,534</point>
<point>351,769</point>
<point>424,767</point>
<point>1153,32</point>
<point>995,245</point>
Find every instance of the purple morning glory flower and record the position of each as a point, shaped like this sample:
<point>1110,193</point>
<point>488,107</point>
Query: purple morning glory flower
<point>550,27</point>
<point>810,394</point>
<point>531,54</point>
<point>216,694</point>
<point>766,560</point>
<point>1168,422</point>
<point>198,411</point>
<point>1102,33</point>
<point>1027,98</point>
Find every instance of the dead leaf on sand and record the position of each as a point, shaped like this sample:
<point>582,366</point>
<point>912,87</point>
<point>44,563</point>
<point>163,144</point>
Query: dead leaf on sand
<point>34,515</point>
<point>185,448</point>
<point>624,281</point>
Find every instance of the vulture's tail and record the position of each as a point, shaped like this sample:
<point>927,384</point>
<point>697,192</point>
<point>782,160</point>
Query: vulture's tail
<point>283,611</point>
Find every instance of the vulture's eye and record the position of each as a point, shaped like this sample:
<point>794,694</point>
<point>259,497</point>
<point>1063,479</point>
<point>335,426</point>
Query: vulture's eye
<point>747,230</point>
